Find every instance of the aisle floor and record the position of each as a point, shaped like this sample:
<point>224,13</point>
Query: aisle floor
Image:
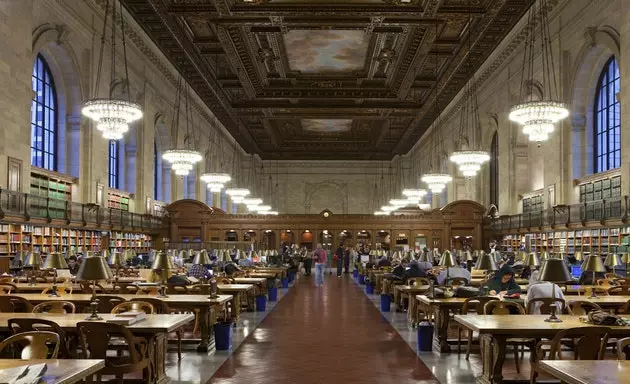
<point>331,334</point>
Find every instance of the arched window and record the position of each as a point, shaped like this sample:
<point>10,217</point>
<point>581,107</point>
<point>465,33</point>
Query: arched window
<point>494,170</point>
<point>607,119</point>
<point>43,117</point>
<point>113,164</point>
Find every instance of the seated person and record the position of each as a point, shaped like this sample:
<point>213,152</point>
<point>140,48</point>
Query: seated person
<point>384,262</point>
<point>543,290</point>
<point>455,271</point>
<point>231,268</point>
<point>73,265</point>
<point>156,277</point>
<point>414,271</point>
<point>503,282</point>
<point>198,271</point>
<point>400,269</point>
<point>245,262</point>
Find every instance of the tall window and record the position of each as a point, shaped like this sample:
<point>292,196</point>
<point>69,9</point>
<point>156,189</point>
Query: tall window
<point>113,164</point>
<point>494,170</point>
<point>607,119</point>
<point>157,170</point>
<point>43,117</point>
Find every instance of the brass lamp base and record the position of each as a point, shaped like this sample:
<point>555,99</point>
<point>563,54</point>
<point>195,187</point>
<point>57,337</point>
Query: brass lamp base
<point>53,291</point>
<point>552,315</point>
<point>94,315</point>
<point>162,292</point>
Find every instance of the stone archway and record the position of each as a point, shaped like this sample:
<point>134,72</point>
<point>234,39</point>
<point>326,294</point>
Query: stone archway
<point>326,195</point>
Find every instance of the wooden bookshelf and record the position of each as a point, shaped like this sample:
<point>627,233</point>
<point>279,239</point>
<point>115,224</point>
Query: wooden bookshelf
<point>601,241</point>
<point>44,239</point>
<point>121,241</point>
<point>118,200</point>
<point>46,184</point>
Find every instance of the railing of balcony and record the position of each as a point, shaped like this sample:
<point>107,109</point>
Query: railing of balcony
<point>31,206</point>
<point>564,215</point>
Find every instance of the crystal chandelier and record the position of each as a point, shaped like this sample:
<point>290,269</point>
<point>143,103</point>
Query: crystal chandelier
<point>398,202</point>
<point>272,213</point>
<point>262,208</point>
<point>470,162</point>
<point>412,192</point>
<point>112,115</point>
<point>424,206</point>
<point>237,194</point>
<point>436,181</point>
<point>388,208</point>
<point>538,117</point>
<point>214,187</point>
<point>252,201</point>
<point>182,160</point>
<point>381,213</point>
<point>215,177</point>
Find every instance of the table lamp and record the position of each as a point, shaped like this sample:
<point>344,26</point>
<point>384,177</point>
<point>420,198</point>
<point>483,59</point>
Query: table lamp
<point>626,259</point>
<point>486,262</point>
<point>202,258</point>
<point>612,260</point>
<point>594,264</point>
<point>425,258</point>
<point>554,271</point>
<point>579,256</point>
<point>55,261</point>
<point>447,260</point>
<point>116,259</point>
<point>162,263</point>
<point>92,269</point>
<point>544,255</point>
<point>531,260</point>
<point>33,260</point>
<point>226,258</point>
<point>105,254</point>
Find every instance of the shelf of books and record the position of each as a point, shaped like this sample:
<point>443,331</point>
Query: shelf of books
<point>121,241</point>
<point>600,241</point>
<point>45,186</point>
<point>24,237</point>
<point>118,200</point>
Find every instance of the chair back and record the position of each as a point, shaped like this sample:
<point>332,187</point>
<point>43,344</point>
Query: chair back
<point>20,325</point>
<point>86,287</point>
<point>136,306</point>
<point>589,342</point>
<point>581,307</point>
<point>225,280</point>
<point>625,310</point>
<point>60,289</point>
<point>6,288</point>
<point>55,307</point>
<point>15,304</point>
<point>605,282</point>
<point>545,304</point>
<point>159,306</point>
<point>498,307</point>
<point>107,302</point>
<point>176,289</point>
<point>623,349</point>
<point>596,289</point>
<point>417,281</point>
<point>200,289</point>
<point>148,290</point>
<point>620,290</point>
<point>125,288</point>
<point>32,345</point>
<point>476,304</point>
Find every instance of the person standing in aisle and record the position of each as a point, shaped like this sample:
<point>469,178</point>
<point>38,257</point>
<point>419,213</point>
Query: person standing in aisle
<point>308,262</point>
<point>339,260</point>
<point>346,260</point>
<point>329,258</point>
<point>320,258</point>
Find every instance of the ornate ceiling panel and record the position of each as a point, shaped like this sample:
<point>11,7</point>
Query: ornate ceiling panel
<point>324,79</point>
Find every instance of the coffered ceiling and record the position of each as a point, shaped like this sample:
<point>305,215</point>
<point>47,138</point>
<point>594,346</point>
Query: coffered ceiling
<point>325,79</point>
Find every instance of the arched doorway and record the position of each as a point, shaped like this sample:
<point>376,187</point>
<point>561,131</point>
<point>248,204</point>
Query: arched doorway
<point>382,239</point>
<point>306,240</point>
<point>287,238</point>
<point>402,240</point>
<point>249,237</point>
<point>268,240</point>
<point>326,239</point>
<point>364,238</point>
<point>231,235</point>
<point>345,237</point>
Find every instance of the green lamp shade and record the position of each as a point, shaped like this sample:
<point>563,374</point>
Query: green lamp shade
<point>116,258</point>
<point>55,261</point>
<point>425,258</point>
<point>162,261</point>
<point>94,268</point>
<point>625,258</point>
<point>468,256</point>
<point>593,263</point>
<point>33,260</point>
<point>579,256</point>
<point>612,260</point>
<point>225,256</point>
<point>532,260</point>
<point>555,271</point>
<point>486,262</point>
<point>447,260</point>
<point>202,258</point>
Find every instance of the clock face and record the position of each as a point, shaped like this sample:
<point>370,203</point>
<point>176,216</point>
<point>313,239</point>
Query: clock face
<point>326,214</point>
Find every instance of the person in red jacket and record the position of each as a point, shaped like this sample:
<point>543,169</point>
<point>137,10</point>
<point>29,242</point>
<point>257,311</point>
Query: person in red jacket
<point>320,259</point>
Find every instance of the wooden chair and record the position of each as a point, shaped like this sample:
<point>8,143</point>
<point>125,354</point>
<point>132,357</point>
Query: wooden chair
<point>598,290</point>
<point>499,308</point>
<point>588,344</point>
<point>475,305</point>
<point>61,290</point>
<point>15,304</point>
<point>545,305</point>
<point>625,310</point>
<point>623,349</point>
<point>95,340</point>
<point>457,281</point>
<point>417,281</point>
<point>160,307</point>
<point>620,290</point>
<point>6,288</point>
<point>176,289</point>
<point>7,279</point>
<point>33,345</point>
<point>605,282</point>
<point>87,287</point>
<point>125,288</point>
<point>136,306</point>
<point>581,307</point>
<point>200,289</point>
<point>21,325</point>
<point>107,302</point>
<point>55,307</point>
<point>225,280</point>
<point>148,290</point>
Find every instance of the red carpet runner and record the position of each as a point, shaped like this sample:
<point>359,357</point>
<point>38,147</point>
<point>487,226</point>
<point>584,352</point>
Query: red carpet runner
<point>330,335</point>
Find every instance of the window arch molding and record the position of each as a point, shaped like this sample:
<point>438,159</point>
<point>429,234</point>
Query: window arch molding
<point>601,43</point>
<point>50,41</point>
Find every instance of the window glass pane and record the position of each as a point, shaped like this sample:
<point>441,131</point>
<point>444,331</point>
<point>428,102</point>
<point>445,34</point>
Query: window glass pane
<point>607,119</point>
<point>43,117</point>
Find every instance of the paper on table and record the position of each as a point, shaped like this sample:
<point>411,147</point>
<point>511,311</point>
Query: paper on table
<point>25,374</point>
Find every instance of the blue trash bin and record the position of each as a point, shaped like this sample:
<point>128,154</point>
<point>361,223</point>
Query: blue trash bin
<point>261,303</point>
<point>361,279</point>
<point>425,337</point>
<point>369,289</point>
<point>285,282</point>
<point>291,277</point>
<point>386,301</point>
<point>223,336</point>
<point>273,294</point>
<point>355,273</point>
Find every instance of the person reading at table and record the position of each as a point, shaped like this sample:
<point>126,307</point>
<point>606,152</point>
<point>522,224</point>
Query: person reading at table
<point>414,271</point>
<point>384,262</point>
<point>455,271</point>
<point>400,269</point>
<point>503,282</point>
<point>543,290</point>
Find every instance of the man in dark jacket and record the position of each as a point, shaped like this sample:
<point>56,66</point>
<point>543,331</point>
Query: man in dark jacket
<point>414,271</point>
<point>503,282</point>
<point>339,259</point>
<point>400,269</point>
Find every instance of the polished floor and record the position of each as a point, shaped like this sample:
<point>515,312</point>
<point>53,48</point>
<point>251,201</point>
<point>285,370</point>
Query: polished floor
<point>331,334</point>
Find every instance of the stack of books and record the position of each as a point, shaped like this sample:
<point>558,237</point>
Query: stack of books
<point>128,318</point>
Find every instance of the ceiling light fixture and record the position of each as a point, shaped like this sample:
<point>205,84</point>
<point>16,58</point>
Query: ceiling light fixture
<point>214,187</point>
<point>436,181</point>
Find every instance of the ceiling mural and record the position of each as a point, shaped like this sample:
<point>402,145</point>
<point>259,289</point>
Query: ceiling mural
<point>313,79</point>
<point>312,51</point>
<point>326,125</point>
